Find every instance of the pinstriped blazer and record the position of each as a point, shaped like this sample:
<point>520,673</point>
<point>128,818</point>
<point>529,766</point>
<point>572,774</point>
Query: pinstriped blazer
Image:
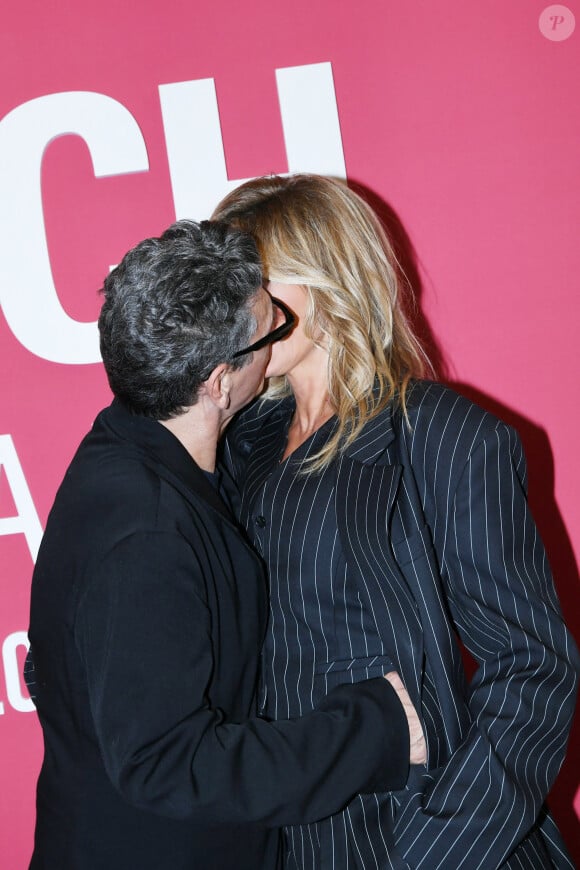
<point>434,519</point>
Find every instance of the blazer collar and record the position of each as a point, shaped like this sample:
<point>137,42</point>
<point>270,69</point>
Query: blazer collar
<point>164,450</point>
<point>374,439</point>
<point>369,446</point>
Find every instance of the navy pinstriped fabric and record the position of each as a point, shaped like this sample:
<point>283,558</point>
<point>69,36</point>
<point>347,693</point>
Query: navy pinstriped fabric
<point>412,535</point>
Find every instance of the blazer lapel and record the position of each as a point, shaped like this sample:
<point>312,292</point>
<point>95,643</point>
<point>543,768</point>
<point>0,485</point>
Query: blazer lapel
<point>366,491</point>
<point>397,569</point>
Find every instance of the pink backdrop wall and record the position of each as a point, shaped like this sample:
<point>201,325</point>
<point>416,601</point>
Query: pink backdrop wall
<point>461,121</point>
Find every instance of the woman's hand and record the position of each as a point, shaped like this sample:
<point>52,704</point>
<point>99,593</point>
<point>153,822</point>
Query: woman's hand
<point>418,751</point>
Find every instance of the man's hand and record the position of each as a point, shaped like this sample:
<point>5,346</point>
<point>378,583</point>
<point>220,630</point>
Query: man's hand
<point>418,753</point>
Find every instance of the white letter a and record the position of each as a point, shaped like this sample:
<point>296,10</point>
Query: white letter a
<point>26,521</point>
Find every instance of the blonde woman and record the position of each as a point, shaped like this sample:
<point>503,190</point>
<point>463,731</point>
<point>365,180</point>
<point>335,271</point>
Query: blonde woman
<point>391,515</point>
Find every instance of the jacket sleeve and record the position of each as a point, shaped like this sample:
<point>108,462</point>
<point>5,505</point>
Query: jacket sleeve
<point>144,633</point>
<point>475,809</point>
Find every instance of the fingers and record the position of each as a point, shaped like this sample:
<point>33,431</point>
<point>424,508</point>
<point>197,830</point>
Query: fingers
<point>418,747</point>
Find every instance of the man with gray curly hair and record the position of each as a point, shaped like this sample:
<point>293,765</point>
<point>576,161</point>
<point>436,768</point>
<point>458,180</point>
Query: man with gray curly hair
<point>149,607</point>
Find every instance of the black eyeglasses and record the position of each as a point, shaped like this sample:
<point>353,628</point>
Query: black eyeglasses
<point>276,334</point>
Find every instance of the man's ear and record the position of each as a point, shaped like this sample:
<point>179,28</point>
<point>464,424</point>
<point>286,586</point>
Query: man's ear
<point>218,385</point>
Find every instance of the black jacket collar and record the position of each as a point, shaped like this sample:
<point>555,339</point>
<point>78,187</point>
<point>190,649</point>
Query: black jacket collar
<point>163,450</point>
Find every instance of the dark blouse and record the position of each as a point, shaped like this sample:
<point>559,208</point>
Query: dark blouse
<point>320,633</point>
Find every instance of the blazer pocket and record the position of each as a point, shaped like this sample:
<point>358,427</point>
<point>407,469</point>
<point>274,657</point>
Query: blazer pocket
<point>341,665</point>
<point>329,674</point>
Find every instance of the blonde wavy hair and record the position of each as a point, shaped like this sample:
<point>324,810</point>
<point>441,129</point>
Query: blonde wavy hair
<point>314,231</point>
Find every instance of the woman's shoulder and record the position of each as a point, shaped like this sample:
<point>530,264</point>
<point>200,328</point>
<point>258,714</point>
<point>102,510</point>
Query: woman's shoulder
<point>437,410</point>
<point>445,431</point>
